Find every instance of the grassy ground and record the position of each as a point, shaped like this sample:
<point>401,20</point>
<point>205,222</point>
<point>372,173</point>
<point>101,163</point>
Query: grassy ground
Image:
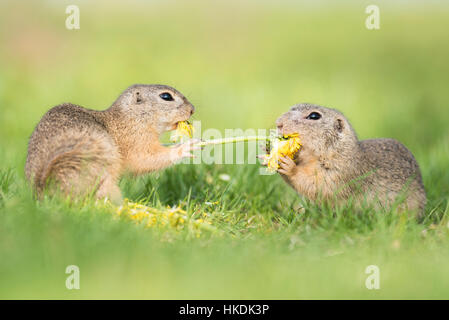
<point>242,65</point>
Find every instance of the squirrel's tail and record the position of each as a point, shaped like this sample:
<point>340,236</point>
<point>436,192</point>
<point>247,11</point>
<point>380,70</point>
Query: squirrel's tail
<point>76,166</point>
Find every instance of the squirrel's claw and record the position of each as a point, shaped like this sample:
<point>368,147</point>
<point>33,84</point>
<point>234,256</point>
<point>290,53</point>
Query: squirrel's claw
<point>286,166</point>
<point>185,149</point>
<point>263,159</point>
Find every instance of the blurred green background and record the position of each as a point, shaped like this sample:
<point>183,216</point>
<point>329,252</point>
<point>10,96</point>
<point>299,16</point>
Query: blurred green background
<point>242,64</point>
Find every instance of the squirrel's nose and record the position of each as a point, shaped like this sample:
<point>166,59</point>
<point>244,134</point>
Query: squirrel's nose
<point>192,109</point>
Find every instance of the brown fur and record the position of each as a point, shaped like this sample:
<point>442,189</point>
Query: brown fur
<point>77,151</point>
<point>334,166</point>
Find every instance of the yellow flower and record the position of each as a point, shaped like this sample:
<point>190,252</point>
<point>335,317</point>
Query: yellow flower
<point>285,146</point>
<point>175,217</point>
<point>184,129</point>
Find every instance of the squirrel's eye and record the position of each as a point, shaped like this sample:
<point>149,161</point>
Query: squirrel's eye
<point>166,96</point>
<point>314,116</point>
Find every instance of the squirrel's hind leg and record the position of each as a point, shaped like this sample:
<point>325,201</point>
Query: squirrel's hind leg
<point>88,167</point>
<point>109,189</point>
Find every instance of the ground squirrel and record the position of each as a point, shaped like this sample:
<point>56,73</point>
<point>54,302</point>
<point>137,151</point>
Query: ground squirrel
<point>333,165</point>
<point>77,151</point>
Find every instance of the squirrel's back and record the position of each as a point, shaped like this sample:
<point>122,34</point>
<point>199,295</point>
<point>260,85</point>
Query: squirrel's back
<point>67,138</point>
<point>394,168</point>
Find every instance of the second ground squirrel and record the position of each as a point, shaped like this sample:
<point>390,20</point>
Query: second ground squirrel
<point>334,165</point>
<point>77,151</point>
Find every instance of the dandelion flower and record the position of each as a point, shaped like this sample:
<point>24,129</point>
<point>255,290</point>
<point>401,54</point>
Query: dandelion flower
<point>285,146</point>
<point>174,218</point>
<point>184,129</point>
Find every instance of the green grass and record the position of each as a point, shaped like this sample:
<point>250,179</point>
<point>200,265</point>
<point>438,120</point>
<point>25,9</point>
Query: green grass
<point>241,65</point>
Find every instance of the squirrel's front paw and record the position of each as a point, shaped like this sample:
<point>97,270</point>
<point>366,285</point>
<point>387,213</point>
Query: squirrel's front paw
<point>263,160</point>
<point>287,166</point>
<point>185,149</point>
<point>263,157</point>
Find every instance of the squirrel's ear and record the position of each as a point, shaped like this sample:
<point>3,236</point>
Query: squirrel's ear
<point>339,125</point>
<point>138,97</point>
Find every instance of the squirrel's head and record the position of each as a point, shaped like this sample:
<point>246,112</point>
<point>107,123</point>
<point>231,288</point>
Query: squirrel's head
<point>322,131</point>
<point>157,106</point>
